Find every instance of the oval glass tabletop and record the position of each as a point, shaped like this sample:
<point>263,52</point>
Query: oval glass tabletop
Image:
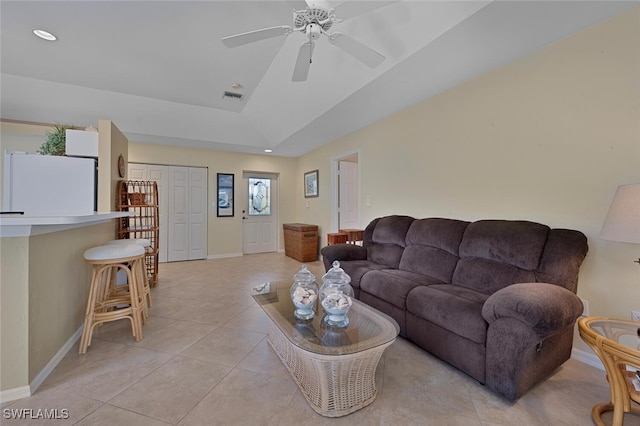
<point>367,327</point>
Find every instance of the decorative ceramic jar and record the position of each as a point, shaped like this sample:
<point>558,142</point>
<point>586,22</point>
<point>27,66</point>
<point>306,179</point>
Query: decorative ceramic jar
<point>304,293</point>
<point>336,296</point>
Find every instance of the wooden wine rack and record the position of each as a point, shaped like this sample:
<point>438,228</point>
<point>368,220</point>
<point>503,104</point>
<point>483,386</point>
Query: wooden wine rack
<point>140,199</point>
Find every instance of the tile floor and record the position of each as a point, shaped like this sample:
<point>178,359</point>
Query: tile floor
<point>204,360</point>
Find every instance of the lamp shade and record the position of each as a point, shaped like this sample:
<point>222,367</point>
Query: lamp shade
<point>623,220</point>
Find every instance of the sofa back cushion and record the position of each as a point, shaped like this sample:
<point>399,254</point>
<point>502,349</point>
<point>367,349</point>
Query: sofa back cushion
<point>564,252</point>
<point>384,239</point>
<point>432,247</point>
<point>497,253</point>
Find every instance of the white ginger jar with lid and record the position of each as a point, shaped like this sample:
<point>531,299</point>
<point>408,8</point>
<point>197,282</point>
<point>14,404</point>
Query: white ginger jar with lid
<point>336,296</point>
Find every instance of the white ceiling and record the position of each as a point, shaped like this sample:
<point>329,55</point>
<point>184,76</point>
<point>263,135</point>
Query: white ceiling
<point>158,69</point>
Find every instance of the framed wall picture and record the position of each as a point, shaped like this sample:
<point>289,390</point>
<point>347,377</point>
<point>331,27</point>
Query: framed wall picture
<point>311,184</point>
<point>225,195</point>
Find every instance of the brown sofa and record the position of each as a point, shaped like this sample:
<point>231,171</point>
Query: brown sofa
<point>494,298</point>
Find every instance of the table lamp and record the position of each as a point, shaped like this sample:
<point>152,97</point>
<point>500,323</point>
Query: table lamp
<point>622,223</point>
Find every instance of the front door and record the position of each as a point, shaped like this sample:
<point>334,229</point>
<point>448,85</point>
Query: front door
<point>259,215</point>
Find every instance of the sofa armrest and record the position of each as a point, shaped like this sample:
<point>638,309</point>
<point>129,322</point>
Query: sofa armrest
<point>342,252</point>
<point>544,307</point>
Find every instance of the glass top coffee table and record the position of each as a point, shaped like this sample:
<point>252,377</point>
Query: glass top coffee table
<point>333,367</point>
<point>617,344</point>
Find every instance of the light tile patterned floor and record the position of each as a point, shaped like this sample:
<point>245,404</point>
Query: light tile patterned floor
<point>204,360</point>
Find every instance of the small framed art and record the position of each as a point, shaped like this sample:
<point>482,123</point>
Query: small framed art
<point>311,184</point>
<point>225,195</point>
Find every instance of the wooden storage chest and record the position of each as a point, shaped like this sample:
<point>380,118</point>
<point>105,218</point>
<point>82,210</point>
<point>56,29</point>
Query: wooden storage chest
<point>301,241</point>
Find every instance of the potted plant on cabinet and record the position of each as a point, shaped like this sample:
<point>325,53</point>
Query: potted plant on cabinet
<point>55,143</point>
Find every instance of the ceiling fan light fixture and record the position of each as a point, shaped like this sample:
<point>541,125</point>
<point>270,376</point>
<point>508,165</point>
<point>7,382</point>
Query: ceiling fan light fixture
<point>45,35</point>
<point>313,31</point>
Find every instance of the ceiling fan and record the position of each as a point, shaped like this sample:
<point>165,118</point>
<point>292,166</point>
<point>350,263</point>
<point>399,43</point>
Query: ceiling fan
<point>313,21</point>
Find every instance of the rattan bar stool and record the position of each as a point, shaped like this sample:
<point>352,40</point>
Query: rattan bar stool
<point>103,305</point>
<point>146,244</point>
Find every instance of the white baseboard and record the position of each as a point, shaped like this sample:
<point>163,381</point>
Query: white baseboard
<point>228,255</point>
<point>223,256</point>
<point>588,358</point>
<point>25,391</point>
<point>15,393</point>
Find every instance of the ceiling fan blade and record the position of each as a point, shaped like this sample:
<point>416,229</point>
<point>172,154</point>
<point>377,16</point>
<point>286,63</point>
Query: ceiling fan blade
<point>296,4</point>
<point>303,62</point>
<point>318,4</point>
<point>257,35</point>
<point>358,50</point>
<point>349,9</point>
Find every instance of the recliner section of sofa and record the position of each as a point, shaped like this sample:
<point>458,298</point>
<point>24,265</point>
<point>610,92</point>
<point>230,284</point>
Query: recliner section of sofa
<point>494,298</point>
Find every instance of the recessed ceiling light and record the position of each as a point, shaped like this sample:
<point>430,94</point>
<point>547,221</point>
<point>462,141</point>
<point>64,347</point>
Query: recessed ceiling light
<point>45,35</point>
<point>236,86</point>
<point>268,150</point>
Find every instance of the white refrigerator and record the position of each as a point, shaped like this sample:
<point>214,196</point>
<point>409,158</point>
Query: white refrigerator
<point>48,185</point>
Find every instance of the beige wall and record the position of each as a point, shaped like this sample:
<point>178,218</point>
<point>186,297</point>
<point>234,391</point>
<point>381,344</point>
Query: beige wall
<point>225,233</point>
<point>58,288</point>
<point>43,293</point>
<point>547,138</point>
<point>26,137</point>
<point>111,144</point>
<point>14,313</point>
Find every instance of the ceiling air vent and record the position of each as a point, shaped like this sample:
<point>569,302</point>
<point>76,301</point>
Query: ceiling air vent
<point>232,95</point>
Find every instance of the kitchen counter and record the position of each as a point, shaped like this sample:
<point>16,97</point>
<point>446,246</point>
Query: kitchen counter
<point>26,225</point>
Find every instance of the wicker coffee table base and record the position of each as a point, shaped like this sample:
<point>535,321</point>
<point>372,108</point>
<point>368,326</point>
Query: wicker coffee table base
<point>333,385</point>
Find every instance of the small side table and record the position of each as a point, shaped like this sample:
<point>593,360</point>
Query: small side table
<point>353,235</point>
<point>337,238</point>
<point>617,344</point>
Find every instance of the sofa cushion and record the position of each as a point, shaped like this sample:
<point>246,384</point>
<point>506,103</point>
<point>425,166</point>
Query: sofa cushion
<point>488,276</point>
<point>454,308</point>
<point>393,285</point>
<point>385,240</point>
<point>516,242</point>
<point>563,254</point>
<point>357,268</point>
<point>498,253</point>
<point>432,247</point>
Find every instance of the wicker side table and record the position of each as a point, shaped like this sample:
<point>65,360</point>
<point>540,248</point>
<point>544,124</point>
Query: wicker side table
<point>617,344</point>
